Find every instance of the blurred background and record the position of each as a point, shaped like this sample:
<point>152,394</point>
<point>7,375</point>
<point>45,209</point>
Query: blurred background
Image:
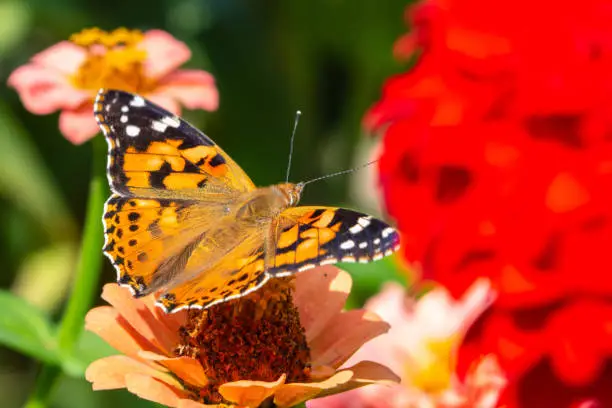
<point>327,58</point>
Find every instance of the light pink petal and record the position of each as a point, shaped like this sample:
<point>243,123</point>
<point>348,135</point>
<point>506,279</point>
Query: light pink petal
<point>79,125</point>
<point>344,335</point>
<point>109,373</point>
<point>153,390</point>
<point>43,90</point>
<point>320,294</point>
<point>64,57</point>
<point>194,89</point>
<point>164,53</point>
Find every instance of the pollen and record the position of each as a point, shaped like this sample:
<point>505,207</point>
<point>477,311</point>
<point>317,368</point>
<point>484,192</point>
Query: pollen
<point>113,60</point>
<point>258,337</point>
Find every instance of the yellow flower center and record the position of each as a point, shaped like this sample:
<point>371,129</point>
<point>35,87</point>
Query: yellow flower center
<point>433,367</point>
<point>114,60</point>
<point>258,337</point>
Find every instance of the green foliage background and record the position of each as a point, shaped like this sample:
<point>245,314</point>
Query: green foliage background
<point>327,58</point>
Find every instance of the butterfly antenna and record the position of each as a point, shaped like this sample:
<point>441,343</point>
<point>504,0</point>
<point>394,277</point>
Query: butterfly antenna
<point>340,172</point>
<point>297,119</point>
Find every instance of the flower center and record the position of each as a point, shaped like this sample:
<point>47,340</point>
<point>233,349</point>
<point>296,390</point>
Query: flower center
<point>431,369</point>
<point>114,60</point>
<point>258,337</point>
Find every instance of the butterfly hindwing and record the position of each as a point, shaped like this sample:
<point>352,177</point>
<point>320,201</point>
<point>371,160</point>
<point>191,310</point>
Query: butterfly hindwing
<point>146,238</point>
<point>241,271</point>
<point>153,153</point>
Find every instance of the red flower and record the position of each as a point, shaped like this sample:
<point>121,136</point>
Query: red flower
<point>497,161</point>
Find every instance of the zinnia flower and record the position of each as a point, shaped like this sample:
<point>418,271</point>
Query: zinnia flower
<point>497,162</point>
<point>67,76</point>
<point>421,348</point>
<point>283,343</point>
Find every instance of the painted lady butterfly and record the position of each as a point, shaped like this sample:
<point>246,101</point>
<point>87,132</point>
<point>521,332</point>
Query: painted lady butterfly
<point>186,220</point>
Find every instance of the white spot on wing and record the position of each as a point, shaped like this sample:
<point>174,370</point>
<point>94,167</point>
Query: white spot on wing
<point>356,229</point>
<point>137,102</point>
<point>124,109</point>
<point>171,121</point>
<point>123,118</point>
<point>159,126</point>
<point>364,221</point>
<point>306,267</point>
<point>132,130</point>
<point>377,241</point>
<point>387,231</point>
<point>363,245</point>
<point>329,261</point>
<point>348,244</point>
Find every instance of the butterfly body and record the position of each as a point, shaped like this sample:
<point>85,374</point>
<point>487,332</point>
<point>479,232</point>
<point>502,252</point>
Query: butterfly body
<point>185,221</point>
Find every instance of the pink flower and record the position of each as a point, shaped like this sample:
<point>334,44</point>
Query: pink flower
<point>67,76</point>
<point>421,348</point>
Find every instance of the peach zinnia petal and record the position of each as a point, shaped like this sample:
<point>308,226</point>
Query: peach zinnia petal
<point>363,373</point>
<point>319,296</point>
<point>140,317</point>
<point>164,53</point>
<point>186,368</point>
<point>250,393</point>
<point>78,125</point>
<point>109,373</point>
<point>107,323</point>
<point>187,403</point>
<point>344,335</point>
<point>153,390</point>
<point>194,89</point>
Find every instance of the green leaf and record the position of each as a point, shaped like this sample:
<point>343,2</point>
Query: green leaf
<point>25,328</point>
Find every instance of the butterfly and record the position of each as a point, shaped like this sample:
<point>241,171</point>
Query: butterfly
<point>186,222</point>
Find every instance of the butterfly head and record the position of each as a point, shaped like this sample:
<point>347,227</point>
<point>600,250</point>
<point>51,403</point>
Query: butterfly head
<point>292,192</point>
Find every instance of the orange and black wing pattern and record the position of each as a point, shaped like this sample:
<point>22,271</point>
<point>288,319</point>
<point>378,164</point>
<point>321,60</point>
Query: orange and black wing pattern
<point>153,153</point>
<point>306,237</point>
<point>314,236</point>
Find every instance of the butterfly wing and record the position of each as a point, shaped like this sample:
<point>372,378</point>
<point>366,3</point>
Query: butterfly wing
<point>154,153</point>
<point>305,237</point>
<point>171,185</point>
<point>240,271</point>
<point>313,236</point>
<point>150,240</point>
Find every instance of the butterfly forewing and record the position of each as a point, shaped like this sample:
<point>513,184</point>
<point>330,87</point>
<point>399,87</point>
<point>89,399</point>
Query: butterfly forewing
<point>313,236</point>
<point>153,153</point>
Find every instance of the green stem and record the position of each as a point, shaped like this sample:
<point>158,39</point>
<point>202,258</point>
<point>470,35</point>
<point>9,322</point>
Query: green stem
<point>88,270</point>
<point>85,286</point>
